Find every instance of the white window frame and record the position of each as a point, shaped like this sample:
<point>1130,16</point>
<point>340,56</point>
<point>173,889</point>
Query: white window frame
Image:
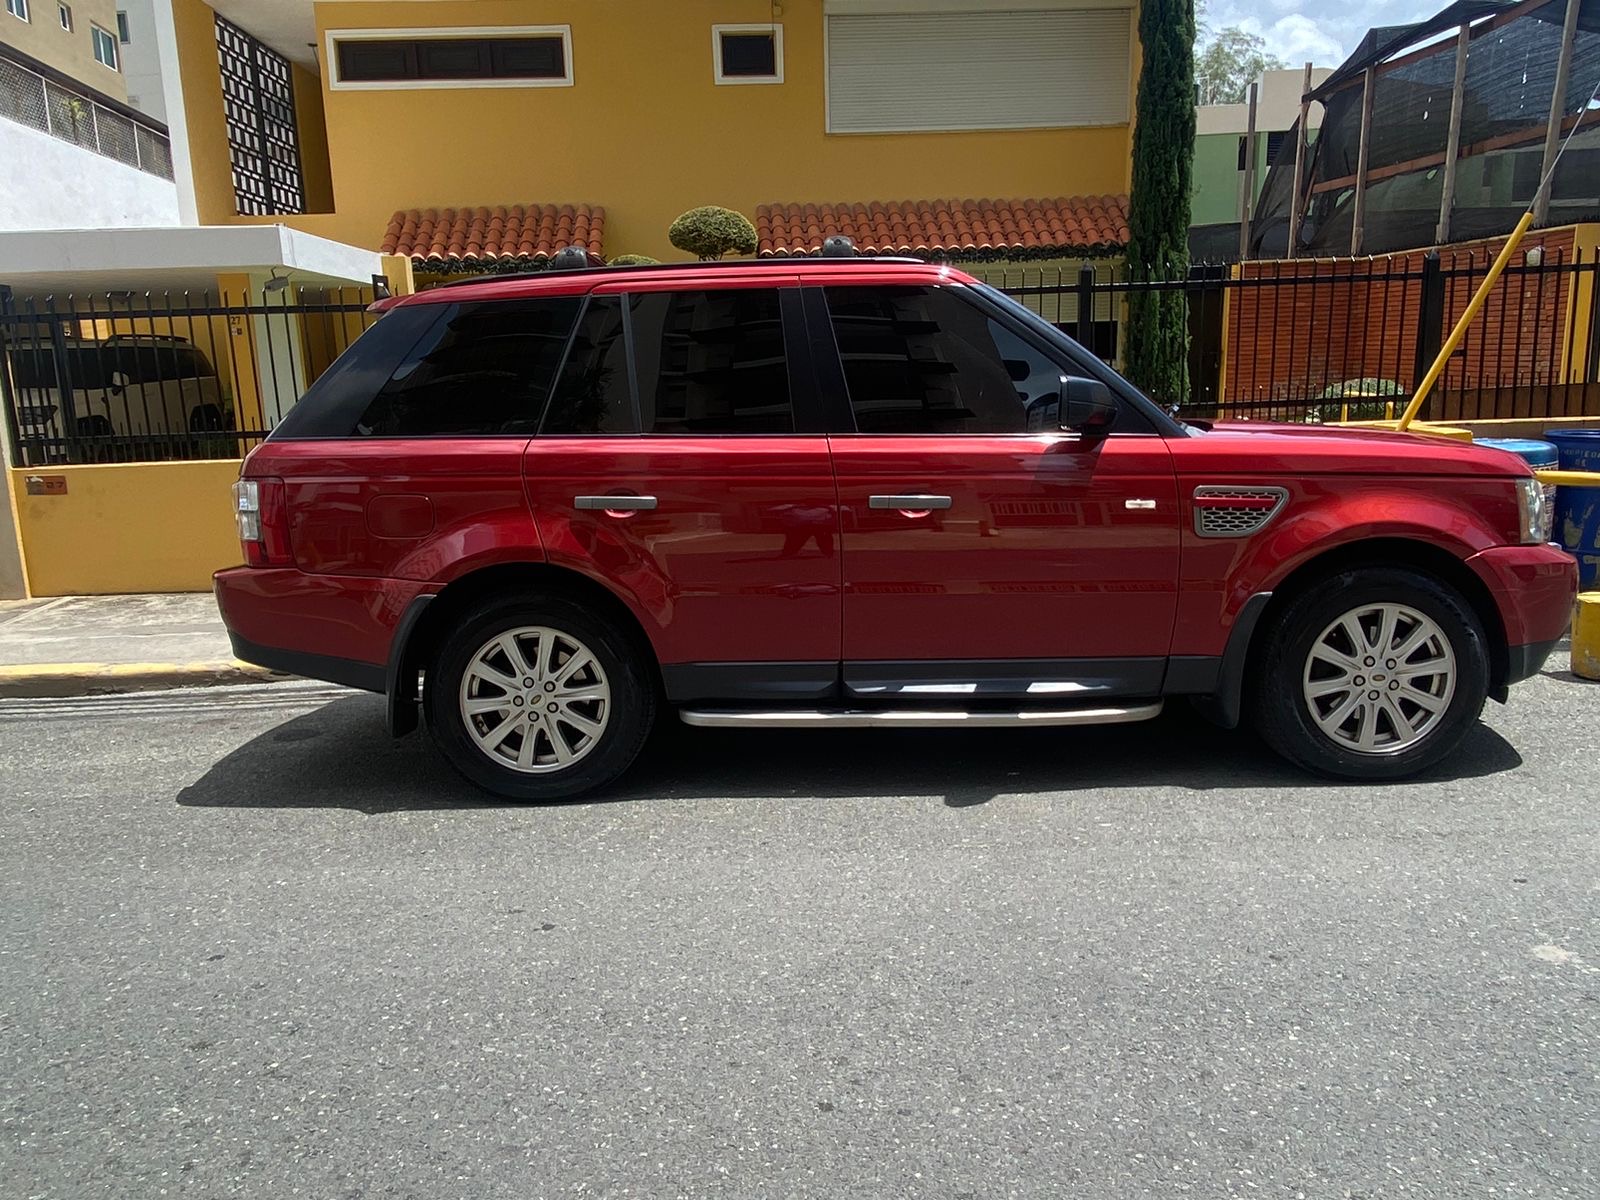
<point>333,37</point>
<point>771,27</point>
<point>19,10</point>
<point>64,15</point>
<point>111,40</point>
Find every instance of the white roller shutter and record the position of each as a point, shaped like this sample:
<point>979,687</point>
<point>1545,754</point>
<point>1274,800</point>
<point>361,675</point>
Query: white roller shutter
<point>889,73</point>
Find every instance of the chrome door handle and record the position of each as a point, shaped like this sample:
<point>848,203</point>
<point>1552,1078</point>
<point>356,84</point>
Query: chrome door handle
<point>614,503</point>
<point>914,503</point>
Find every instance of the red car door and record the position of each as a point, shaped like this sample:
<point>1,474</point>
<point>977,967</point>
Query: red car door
<point>680,465</point>
<point>987,553</point>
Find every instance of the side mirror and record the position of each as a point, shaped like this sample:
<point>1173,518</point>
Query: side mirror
<point>1087,407</point>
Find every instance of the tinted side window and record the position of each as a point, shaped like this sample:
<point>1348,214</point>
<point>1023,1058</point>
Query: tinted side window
<point>592,395</point>
<point>923,360</point>
<point>711,362</point>
<point>483,369</point>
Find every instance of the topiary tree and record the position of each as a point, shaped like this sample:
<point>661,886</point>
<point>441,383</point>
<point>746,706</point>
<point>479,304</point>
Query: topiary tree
<point>1158,210</point>
<point>633,260</point>
<point>710,232</point>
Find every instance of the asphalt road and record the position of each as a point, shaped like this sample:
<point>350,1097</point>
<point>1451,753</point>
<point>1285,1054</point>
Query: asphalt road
<point>250,948</point>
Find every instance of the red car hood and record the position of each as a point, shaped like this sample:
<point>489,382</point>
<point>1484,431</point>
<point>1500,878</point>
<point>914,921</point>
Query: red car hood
<point>1249,447</point>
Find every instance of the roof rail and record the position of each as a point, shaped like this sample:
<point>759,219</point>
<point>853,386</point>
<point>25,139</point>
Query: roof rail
<point>811,262</point>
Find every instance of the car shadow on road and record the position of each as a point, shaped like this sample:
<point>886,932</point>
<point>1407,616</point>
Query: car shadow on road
<point>338,757</point>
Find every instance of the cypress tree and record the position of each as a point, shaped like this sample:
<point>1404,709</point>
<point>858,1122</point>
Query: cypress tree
<point>1157,356</point>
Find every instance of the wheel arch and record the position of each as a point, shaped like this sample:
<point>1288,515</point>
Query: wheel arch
<point>1405,553</point>
<point>419,640</point>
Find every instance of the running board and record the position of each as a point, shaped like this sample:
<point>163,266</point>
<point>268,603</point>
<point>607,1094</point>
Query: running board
<point>905,718</point>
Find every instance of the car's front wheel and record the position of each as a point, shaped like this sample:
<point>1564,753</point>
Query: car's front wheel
<point>536,699</point>
<point>1372,674</point>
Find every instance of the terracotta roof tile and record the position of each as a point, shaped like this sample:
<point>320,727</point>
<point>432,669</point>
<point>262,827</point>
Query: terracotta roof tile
<point>1069,224</point>
<point>531,232</point>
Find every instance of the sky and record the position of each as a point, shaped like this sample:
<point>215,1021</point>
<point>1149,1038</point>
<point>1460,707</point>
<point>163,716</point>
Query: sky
<point>1324,32</point>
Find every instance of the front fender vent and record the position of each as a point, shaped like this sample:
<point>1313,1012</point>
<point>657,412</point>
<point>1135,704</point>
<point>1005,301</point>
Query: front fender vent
<point>1230,512</point>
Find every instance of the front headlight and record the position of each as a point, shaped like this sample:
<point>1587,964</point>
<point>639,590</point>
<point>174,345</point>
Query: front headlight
<point>1534,512</point>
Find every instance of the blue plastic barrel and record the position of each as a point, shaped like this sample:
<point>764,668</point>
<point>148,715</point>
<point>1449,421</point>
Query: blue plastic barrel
<point>1536,454</point>
<point>1577,525</point>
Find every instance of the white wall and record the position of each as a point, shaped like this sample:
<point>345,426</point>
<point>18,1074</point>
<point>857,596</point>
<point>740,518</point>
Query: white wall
<point>52,184</point>
<point>141,63</point>
<point>1277,105</point>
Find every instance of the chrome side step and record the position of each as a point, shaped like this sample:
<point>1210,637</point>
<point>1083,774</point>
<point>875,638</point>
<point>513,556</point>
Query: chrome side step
<point>904,718</point>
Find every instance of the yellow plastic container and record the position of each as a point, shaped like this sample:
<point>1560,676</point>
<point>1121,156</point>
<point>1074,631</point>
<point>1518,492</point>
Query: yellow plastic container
<point>1586,636</point>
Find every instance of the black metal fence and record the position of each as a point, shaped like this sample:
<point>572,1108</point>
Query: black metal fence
<point>159,376</point>
<point>1327,340</point>
<point>164,376</point>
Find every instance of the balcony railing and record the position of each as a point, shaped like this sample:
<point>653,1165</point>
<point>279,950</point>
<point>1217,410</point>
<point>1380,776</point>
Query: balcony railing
<point>75,115</point>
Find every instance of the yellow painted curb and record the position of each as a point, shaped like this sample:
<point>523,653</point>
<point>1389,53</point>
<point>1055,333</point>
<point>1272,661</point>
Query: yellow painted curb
<point>1586,636</point>
<point>87,679</point>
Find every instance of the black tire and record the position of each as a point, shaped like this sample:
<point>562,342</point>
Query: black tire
<point>1282,712</point>
<point>629,717</point>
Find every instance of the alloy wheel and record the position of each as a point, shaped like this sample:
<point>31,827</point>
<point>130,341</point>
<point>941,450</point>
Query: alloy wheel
<point>535,699</point>
<point>1379,679</point>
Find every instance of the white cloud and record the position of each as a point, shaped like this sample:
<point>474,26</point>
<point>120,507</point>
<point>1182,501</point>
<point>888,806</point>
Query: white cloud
<point>1297,30</point>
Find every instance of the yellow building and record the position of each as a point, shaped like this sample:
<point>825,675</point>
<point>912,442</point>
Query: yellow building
<point>471,135</point>
<point>81,39</point>
<point>478,132</point>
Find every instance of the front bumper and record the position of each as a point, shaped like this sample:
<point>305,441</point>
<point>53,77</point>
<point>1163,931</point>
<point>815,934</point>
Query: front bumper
<point>1524,662</point>
<point>1533,588</point>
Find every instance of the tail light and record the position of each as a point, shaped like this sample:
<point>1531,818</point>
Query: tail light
<point>263,518</point>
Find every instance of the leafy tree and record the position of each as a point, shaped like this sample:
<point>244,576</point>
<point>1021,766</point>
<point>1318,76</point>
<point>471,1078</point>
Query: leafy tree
<point>633,260</point>
<point>1227,67</point>
<point>710,232</point>
<point>1158,211</point>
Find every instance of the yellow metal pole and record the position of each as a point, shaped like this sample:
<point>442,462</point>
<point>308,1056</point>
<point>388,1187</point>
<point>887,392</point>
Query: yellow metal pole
<point>1460,331</point>
<point>1583,479</point>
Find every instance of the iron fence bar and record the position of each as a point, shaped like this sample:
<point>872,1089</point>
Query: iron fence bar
<point>1591,373</point>
<point>255,310</point>
<point>272,364</point>
<point>1086,285</point>
<point>11,415</point>
<point>1530,372</point>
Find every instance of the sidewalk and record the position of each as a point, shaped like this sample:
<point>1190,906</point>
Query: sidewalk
<point>81,645</point>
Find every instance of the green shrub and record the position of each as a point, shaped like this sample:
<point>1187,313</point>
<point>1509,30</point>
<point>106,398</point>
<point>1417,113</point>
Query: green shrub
<point>1359,399</point>
<point>633,260</point>
<point>710,232</point>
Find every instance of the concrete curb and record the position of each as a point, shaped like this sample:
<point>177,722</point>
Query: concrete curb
<point>92,679</point>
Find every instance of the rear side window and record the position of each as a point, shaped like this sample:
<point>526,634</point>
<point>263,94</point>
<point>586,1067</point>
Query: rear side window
<point>704,363</point>
<point>483,369</point>
<point>593,395</point>
<point>712,362</point>
<point>923,360</point>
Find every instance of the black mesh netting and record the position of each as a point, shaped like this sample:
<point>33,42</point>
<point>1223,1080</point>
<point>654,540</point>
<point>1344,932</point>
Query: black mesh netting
<point>1511,69</point>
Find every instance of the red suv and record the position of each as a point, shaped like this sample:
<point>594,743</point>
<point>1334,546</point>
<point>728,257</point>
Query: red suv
<point>855,493</point>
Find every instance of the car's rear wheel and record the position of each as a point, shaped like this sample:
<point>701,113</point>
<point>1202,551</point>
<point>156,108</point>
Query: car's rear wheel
<point>1371,674</point>
<point>536,699</point>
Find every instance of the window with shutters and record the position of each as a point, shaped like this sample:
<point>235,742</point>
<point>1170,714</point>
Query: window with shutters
<point>953,70</point>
